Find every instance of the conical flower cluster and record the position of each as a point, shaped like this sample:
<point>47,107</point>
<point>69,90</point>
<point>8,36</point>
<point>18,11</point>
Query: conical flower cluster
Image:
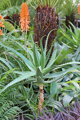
<point>79,8</point>
<point>46,23</point>
<point>1,25</point>
<point>24,17</point>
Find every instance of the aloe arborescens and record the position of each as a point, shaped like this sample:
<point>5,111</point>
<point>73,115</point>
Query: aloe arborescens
<point>46,24</point>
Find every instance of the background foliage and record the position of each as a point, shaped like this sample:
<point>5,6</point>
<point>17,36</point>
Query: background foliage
<point>25,63</point>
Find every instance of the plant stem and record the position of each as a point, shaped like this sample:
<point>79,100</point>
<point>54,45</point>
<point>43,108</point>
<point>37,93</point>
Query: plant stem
<point>41,97</point>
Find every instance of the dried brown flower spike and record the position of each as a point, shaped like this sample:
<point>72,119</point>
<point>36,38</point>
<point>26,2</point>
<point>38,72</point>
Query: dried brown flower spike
<point>46,21</point>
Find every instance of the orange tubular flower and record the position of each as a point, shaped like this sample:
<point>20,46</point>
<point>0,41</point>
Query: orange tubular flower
<point>1,17</point>
<point>1,33</point>
<point>79,8</point>
<point>24,17</point>
<point>1,24</point>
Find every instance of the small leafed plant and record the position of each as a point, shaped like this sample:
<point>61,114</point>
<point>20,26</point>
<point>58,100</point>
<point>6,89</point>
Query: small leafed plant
<point>71,114</point>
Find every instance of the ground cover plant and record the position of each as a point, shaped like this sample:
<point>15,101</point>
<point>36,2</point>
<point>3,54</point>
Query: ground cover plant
<point>39,60</point>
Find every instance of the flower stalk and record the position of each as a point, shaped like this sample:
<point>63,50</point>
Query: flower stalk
<point>41,97</point>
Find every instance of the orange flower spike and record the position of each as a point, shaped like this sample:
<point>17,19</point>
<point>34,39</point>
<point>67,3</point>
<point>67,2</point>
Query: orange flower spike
<point>79,8</point>
<point>1,24</point>
<point>24,17</point>
<point>1,17</point>
<point>1,33</point>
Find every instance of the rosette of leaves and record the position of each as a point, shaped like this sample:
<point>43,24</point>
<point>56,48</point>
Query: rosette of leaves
<point>69,37</point>
<point>41,67</point>
<point>69,10</point>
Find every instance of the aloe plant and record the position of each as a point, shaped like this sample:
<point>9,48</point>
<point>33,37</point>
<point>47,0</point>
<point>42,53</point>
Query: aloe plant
<point>42,68</point>
<point>69,37</point>
<point>69,10</point>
